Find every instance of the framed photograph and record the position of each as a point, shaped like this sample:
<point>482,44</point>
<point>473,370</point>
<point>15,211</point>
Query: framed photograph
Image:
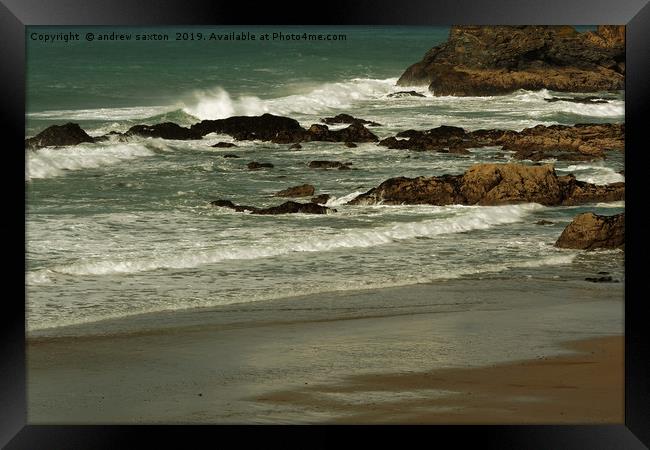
<point>382,214</point>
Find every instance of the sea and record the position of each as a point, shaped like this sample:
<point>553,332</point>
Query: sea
<point>124,228</point>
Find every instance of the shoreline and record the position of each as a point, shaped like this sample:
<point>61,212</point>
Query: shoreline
<point>214,366</point>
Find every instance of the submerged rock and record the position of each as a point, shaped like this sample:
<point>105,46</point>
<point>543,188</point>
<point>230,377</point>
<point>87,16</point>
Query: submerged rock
<point>587,100</point>
<point>295,147</point>
<point>327,165</point>
<point>491,184</point>
<point>254,165</point>
<point>59,136</point>
<point>494,60</point>
<point>165,130</point>
<point>230,155</point>
<point>589,231</point>
<point>285,208</point>
<point>224,145</point>
<point>304,190</point>
<point>406,94</point>
<point>321,199</point>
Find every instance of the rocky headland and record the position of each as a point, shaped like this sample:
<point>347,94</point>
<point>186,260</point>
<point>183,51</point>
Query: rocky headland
<point>495,60</point>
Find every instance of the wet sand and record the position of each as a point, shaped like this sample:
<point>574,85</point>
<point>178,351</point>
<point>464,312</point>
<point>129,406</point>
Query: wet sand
<point>464,351</point>
<point>585,388</point>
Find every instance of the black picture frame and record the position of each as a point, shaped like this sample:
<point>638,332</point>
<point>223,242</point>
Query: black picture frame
<point>15,15</point>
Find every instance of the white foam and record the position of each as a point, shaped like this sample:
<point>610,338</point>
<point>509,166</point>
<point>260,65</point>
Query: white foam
<point>54,162</point>
<point>334,201</point>
<point>467,218</point>
<point>111,114</point>
<point>596,173</point>
<point>217,103</point>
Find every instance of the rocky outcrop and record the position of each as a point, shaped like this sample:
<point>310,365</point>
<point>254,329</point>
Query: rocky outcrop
<point>282,130</point>
<point>224,145</point>
<point>304,190</point>
<point>285,208</point>
<point>347,118</point>
<point>58,136</point>
<point>571,142</point>
<point>328,165</point>
<point>356,132</point>
<point>491,184</point>
<point>494,60</point>
<point>589,231</point>
<point>165,130</point>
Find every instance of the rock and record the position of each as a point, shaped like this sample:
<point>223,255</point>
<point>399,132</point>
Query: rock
<point>350,145</point>
<point>285,208</point>
<point>587,100</point>
<point>165,130</point>
<point>224,145</point>
<point>406,94</point>
<point>544,222</point>
<point>580,142</point>
<point>304,190</point>
<point>327,164</point>
<point>231,205</point>
<point>491,184</point>
<point>346,118</point>
<point>58,136</point>
<point>589,231</point>
<point>266,127</point>
<point>321,199</point>
<point>356,132</point>
<point>254,165</point>
<point>295,147</point>
<point>608,279</point>
<point>295,207</point>
<point>494,60</point>
<point>230,155</point>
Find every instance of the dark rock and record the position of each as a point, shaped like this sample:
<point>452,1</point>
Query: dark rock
<point>406,94</point>
<point>224,145</point>
<point>327,164</point>
<point>254,165</point>
<point>58,136</point>
<point>304,190</point>
<point>544,222</point>
<point>321,199</point>
<point>295,207</point>
<point>266,127</point>
<point>295,147</point>
<point>589,231</point>
<point>608,279</point>
<point>230,155</point>
<point>494,60</point>
<point>491,184</point>
<point>346,118</point>
<point>356,132</point>
<point>166,130</point>
<point>285,208</point>
<point>350,145</point>
<point>587,100</point>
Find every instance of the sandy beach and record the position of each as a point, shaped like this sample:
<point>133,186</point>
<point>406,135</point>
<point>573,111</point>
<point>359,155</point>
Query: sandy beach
<point>412,354</point>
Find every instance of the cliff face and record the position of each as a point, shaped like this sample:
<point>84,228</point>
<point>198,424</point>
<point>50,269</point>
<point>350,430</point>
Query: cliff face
<point>492,60</point>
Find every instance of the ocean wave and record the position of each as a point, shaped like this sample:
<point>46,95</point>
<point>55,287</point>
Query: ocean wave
<point>217,103</point>
<point>340,286</point>
<point>593,173</point>
<point>54,162</point>
<point>467,219</point>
